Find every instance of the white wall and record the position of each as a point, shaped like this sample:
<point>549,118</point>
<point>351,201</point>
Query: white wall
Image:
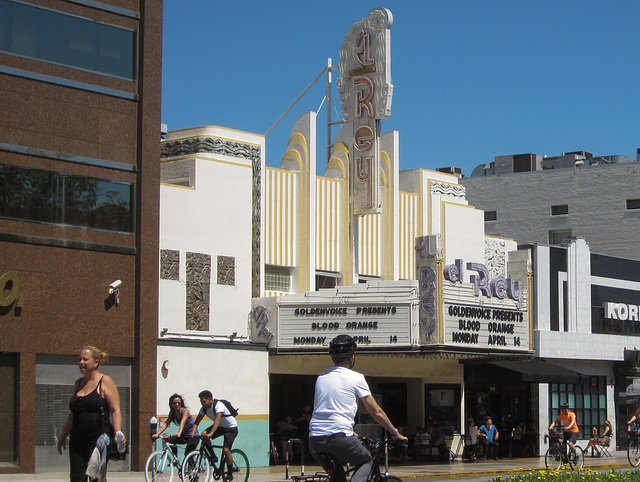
<point>237,375</point>
<point>214,217</point>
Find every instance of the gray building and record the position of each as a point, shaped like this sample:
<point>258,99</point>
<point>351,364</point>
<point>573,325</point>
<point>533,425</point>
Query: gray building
<point>540,200</point>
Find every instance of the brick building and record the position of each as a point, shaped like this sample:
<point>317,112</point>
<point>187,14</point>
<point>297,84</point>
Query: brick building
<point>79,200</point>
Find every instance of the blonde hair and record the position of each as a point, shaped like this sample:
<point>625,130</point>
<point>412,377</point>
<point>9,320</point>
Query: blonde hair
<point>96,353</point>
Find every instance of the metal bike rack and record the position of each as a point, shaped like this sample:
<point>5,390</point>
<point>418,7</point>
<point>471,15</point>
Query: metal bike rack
<point>286,460</point>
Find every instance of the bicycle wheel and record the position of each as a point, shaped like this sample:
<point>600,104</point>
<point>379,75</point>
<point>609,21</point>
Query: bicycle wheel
<point>158,467</point>
<point>633,452</point>
<point>553,458</point>
<point>576,461</point>
<point>240,470</point>
<point>196,467</point>
<point>386,478</point>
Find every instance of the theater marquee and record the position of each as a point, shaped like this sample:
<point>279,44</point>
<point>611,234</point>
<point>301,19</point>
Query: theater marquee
<point>490,325</point>
<point>371,324</point>
<point>462,304</point>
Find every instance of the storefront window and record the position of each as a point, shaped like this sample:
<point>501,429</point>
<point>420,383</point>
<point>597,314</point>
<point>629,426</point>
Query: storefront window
<point>55,378</point>
<point>8,368</point>
<point>587,400</point>
<point>443,406</point>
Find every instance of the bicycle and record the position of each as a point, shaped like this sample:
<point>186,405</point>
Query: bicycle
<point>377,447</point>
<point>200,466</point>
<point>161,464</point>
<point>273,451</point>
<point>557,454</point>
<point>633,449</point>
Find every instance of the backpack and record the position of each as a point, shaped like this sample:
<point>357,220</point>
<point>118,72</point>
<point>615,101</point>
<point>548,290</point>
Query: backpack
<point>232,411</point>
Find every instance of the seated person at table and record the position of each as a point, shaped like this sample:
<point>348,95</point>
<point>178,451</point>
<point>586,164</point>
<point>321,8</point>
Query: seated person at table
<point>470,440</point>
<point>421,442</point>
<point>604,439</point>
<point>488,436</point>
<point>438,441</point>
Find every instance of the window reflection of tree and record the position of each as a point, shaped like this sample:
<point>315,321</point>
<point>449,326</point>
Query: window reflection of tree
<point>79,201</point>
<point>45,196</point>
<point>27,195</point>
<point>113,209</point>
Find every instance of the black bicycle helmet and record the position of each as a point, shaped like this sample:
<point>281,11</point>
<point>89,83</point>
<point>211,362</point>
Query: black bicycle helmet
<point>342,345</point>
<point>564,405</point>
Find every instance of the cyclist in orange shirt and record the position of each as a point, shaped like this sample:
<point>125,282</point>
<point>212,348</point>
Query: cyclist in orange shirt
<point>570,426</point>
<point>635,417</point>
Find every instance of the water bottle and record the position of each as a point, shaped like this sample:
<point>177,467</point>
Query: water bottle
<point>119,444</point>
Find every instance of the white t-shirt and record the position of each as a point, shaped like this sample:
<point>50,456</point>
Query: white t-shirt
<point>227,421</point>
<point>336,401</point>
<point>472,433</point>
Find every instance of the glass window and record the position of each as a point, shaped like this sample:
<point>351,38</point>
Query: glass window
<point>633,204</point>
<point>490,216</point>
<point>51,197</point>
<point>586,400</point>
<point>559,210</point>
<point>65,39</point>
<point>55,380</point>
<point>327,279</point>
<point>559,237</point>
<point>442,403</point>
<point>277,278</point>
<point>8,402</point>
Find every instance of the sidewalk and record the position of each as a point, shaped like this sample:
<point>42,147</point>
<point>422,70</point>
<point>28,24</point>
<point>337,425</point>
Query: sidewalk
<point>405,472</point>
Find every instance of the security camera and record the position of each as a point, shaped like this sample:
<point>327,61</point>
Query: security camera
<point>114,286</point>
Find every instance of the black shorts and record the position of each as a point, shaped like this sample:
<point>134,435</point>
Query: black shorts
<point>229,434</point>
<point>571,437</point>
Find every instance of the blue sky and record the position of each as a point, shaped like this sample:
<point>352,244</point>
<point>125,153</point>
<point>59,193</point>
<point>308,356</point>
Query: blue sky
<point>472,79</point>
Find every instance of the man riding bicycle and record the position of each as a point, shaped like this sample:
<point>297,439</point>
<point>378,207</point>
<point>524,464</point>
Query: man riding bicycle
<point>635,417</point>
<point>224,424</point>
<point>570,426</point>
<point>337,393</point>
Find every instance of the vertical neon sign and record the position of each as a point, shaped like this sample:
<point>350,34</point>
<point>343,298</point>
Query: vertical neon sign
<point>365,95</point>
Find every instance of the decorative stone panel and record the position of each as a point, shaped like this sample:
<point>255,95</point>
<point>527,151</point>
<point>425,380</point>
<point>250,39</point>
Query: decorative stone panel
<point>213,145</point>
<point>226,270</point>
<point>198,286</point>
<point>169,264</point>
<point>448,190</point>
<point>495,255</point>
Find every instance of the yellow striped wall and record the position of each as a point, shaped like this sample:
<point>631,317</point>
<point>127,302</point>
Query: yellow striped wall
<point>276,293</point>
<point>328,232</point>
<point>408,225</point>
<point>280,215</point>
<point>369,245</point>
<point>281,228</point>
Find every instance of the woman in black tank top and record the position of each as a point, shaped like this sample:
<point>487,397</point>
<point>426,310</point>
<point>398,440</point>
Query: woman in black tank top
<point>93,392</point>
